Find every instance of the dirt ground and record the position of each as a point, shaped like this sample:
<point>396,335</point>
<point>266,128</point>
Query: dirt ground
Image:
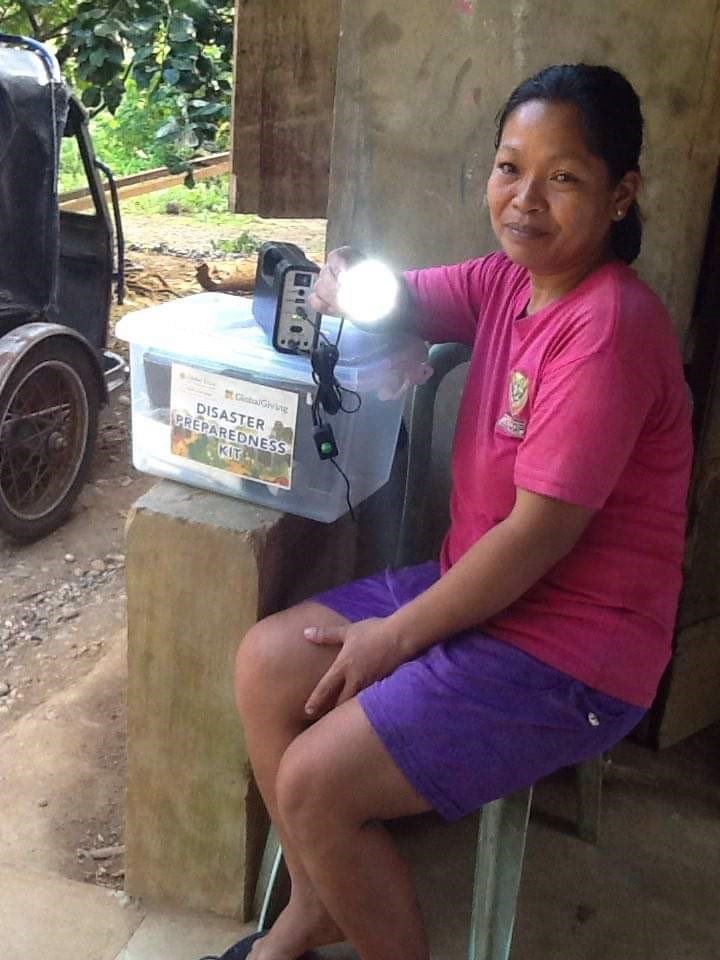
<point>62,599</point>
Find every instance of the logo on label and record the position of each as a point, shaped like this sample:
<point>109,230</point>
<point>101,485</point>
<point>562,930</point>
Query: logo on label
<point>518,392</point>
<point>511,423</point>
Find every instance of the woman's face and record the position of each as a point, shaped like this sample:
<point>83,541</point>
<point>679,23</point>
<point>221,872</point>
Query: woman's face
<point>551,200</point>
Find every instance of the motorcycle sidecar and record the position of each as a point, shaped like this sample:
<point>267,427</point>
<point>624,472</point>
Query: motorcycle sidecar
<point>56,279</point>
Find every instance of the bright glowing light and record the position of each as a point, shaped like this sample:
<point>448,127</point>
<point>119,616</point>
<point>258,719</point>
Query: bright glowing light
<point>367,292</point>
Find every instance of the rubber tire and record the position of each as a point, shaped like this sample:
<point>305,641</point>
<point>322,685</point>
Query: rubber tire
<point>75,356</point>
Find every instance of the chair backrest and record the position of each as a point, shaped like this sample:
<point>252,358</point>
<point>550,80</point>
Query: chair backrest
<point>431,425</point>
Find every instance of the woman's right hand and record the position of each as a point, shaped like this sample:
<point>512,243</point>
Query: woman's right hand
<point>324,294</point>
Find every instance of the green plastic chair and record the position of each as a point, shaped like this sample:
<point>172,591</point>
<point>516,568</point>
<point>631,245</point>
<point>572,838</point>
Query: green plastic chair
<point>503,823</point>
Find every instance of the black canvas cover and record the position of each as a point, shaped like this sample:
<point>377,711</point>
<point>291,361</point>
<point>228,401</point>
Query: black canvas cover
<point>33,111</point>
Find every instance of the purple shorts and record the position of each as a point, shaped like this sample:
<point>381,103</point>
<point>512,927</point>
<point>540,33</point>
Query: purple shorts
<point>474,718</point>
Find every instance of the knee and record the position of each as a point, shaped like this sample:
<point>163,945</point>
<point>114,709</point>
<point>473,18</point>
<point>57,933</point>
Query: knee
<point>256,663</point>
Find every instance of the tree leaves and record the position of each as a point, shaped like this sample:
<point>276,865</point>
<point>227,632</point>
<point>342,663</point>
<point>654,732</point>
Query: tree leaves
<point>181,28</point>
<point>92,97</point>
<point>177,47</point>
<point>113,95</point>
<point>168,131</point>
<point>108,28</point>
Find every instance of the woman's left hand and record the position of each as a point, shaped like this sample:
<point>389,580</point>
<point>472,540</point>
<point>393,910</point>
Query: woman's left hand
<point>369,650</point>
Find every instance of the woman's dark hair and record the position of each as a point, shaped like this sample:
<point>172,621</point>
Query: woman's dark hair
<point>610,111</point>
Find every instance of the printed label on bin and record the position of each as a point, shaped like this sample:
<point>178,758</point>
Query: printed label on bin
<point>233,425</point>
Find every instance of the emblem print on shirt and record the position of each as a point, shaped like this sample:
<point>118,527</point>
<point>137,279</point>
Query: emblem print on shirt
<point>518,389</point>
<point>518,392</point>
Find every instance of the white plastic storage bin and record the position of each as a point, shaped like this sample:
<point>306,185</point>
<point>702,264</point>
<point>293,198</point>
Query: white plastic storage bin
<point>215,406</point>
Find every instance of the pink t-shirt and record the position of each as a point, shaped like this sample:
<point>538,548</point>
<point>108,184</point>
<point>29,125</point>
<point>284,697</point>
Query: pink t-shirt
<point>583,401</point>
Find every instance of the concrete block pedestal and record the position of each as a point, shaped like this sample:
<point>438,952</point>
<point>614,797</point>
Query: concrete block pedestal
<point>202,569</point>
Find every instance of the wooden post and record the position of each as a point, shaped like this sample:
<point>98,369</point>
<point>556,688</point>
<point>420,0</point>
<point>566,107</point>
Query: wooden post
<point>282,115</point>
<point>201,569</point>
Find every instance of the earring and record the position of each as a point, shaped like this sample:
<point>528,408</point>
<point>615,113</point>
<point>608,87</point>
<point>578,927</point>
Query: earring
<point>619,214</point>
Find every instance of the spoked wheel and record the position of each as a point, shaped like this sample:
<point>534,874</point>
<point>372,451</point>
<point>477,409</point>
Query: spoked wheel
<point>48,424</point>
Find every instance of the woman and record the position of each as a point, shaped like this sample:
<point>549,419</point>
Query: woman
<point>540,638</point>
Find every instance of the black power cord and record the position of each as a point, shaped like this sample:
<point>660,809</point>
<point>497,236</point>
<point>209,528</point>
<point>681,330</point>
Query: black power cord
<point>329,399</point>
<point>329,392</point>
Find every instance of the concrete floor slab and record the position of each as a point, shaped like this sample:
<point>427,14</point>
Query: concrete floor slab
<point>173,935</point>
<point>44,916</point>
<point>648,891</point>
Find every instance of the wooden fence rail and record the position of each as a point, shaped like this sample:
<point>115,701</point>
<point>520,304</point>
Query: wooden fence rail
<point>149,181</point>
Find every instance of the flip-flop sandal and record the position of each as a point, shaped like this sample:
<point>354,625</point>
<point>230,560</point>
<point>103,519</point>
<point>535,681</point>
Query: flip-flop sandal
<point>239,950</point>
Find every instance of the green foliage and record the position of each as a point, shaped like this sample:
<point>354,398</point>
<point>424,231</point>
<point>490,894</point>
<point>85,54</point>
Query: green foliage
<point>206,197</point>
<point>244,243</point>
<point>174,55</point>
<point>126,140</point>
<point>72,175</point>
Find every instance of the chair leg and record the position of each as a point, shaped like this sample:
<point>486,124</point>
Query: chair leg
<point>589,798</point>
<point>271,888</point>
<point>498,866</point>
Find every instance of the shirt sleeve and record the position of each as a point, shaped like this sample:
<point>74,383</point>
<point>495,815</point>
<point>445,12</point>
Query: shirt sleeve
<point>585,420</point>
<point>448,300</point>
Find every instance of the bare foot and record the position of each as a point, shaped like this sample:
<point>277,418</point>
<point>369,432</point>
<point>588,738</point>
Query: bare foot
<point>303,925</point>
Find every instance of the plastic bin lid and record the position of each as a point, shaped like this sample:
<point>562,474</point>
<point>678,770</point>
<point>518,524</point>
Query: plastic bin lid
<point>219,328</point>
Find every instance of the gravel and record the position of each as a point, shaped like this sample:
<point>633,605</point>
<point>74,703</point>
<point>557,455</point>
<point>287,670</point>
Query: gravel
<point>38,612</point>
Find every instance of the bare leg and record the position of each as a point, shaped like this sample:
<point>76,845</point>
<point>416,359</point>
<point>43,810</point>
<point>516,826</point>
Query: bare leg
<point>336,781</point>
<point>276,671</point>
